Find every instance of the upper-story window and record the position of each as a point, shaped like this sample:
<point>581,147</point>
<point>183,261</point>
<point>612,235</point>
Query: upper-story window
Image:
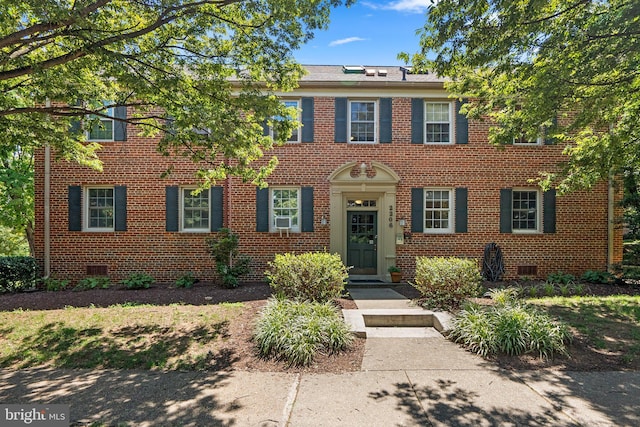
<point>285,203</point>
<point>362,121</point>
<point>195,210</point>
<point>295,134</point>
<point>438,123</point>
<point>525,211</point>
<point>103,129</point>
<point>99,209</point>
<point>523,139</point>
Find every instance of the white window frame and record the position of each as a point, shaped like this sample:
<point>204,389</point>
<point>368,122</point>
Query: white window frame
<point>520,142</point>
<point>184,229</point>
<point>425,122</point>
<point>295,137</point>
<point>538,219</point>
<point>451,211</point>
<point>87,217</point>
<point>295,228</point>
<point>375,120</point>
<point>111,113</point>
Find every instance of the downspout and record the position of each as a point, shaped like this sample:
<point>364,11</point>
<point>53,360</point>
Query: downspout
<point>47,207</point>
<point>611,225</point>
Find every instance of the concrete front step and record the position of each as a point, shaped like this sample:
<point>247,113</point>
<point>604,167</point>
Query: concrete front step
<point>402,322</point>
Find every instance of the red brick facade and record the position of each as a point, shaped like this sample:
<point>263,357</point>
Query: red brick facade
<point>579,243</point>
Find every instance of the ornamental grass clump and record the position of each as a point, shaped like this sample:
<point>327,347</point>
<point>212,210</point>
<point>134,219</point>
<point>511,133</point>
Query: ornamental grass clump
<point>312,276</point>
<point>510,327</point>
<point>445,283</point>
<point>295,331</point>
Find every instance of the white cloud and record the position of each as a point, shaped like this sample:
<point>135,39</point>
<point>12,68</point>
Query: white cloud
<point>410,6</point>
<point>345,41</point>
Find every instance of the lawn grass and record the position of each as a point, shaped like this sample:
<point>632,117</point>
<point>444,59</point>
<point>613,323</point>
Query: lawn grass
<point>117,337</point>
<point>610,324</point>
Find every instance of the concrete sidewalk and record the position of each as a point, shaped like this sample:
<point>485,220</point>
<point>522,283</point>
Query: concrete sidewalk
<point>403,382</point>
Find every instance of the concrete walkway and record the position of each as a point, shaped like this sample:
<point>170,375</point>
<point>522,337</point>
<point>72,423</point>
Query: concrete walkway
<point>403,382</point>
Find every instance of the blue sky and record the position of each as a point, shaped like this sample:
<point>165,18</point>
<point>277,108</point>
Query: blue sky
<point>371,32</point>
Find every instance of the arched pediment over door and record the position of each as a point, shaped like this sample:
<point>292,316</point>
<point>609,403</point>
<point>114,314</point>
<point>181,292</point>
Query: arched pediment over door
<point>364,190</point>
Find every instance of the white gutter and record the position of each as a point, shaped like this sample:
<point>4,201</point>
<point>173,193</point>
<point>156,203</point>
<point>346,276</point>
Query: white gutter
<point>47,208</point>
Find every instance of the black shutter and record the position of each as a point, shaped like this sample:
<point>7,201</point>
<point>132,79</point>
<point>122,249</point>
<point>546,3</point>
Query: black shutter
<point>549,211</point>
<point>120,202</point>
<point>172,204</point>
<point>265,128</point>
<point>461,210</point>
<point>307,120</point>
<point>506,207</point>
<point>262,209</point>
<point>417,121</point>
<point>341,120</point>
<point>417,210</point>
<point>307,209</point>
<point>462,126</point>
<point>386,114</point>
<point>120,127</point>
<point>216,210</point>
<point>75,207</point>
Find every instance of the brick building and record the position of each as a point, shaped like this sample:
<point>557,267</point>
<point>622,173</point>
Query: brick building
<point>383,169</point>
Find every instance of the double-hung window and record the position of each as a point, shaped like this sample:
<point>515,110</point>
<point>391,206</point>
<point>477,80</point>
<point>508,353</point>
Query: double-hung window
<point>295,134</point>
<point>99,209</point>
<point>523,139</point>
<point>285,203</point>
<point>438,124</point>
<point>525,211</point>
<point>362,121</point>
<point>103,128</point>
<point>195,210</point>
<point>438,210</point>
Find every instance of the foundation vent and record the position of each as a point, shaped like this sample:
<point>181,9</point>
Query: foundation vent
<point>527,270</point>
<point>97,270</point>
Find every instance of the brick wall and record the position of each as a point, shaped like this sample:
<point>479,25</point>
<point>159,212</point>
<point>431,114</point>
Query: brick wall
<point>579,244</point>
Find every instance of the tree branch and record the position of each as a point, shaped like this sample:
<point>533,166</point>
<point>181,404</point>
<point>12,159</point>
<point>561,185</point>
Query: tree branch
<point>49,26</point>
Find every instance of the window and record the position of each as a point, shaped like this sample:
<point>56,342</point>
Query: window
<point>525,208</point>
<point>100,209</point>
<point>438,211</point>
<point>195,210</point>
<point>102,130</point>
<point>438,122</point>
<point>362,121</point>
<point>285,203</point>
<point>523,139</point>
<point>295,134</point>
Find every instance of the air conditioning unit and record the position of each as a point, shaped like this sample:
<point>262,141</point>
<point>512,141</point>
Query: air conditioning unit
<point>283,223</point>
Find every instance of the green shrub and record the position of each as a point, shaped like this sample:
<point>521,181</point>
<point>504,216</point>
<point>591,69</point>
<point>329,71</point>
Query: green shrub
<point>186,281</point>
<point>230,265</point>
<point>296,331</point>
<point>17,273</point>
<point>549,289</point>
<point>509,327</point>
<point>561,278</point>
<point>592,276</point>
<point>97,282</point>
<point>313,276</point>
<point>445,283</point>
<point>138,281</point>
<point>52,284</point>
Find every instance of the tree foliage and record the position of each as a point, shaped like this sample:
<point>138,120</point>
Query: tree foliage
<point>568,68</point>
<point>64,60</point>
<point>16,200</point>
